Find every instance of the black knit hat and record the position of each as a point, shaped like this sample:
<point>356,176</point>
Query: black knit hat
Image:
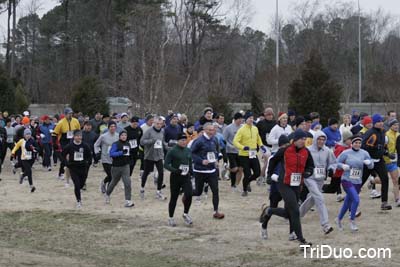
<point>283,140</point>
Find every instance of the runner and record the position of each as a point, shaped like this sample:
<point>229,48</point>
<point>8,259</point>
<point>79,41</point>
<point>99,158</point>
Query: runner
<point>77,156</point>
<point>332,133</point>
<point>352,162</point>
<point>102,149</point>
<point>45,133</point>
<point>28,148</point>
<point>179,162</point>
<point>120,154</point>
<point>154,145</point>
<point>297,165</point>
<point>205,154</point>
<point>324,159</point>
<point>281,128</point>
<point>247,140</point>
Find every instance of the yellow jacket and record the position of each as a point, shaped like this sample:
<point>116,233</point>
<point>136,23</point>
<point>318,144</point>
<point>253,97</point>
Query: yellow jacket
<point>65,126</point>
<point>21,145</point>
<point>247,136</point>
<point>391,145</point>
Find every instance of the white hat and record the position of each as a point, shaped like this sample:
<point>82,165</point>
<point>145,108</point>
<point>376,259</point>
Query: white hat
<point>26,113</point>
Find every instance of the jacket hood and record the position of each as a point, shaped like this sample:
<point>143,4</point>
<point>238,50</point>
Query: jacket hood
<point>317,135</point>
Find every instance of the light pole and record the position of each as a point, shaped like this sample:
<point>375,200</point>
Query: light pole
<point>359,54</point>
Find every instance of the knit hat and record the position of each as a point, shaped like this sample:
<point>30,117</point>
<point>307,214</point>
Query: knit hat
<point>247,115</point>
<point>26,113</point>
<point>393,122</point>
<point>377,118</point>
<point>68,111</point>
<point>182,136</point>
<point>207,110</point>
<point>27,131</point>
<point>314,124</point>
<point>25,120</point>
<point>299,120</point>
<point>237,116</point>
<point>77,132</point>
<point>314,115</point>
<point>366,120</point>
<point>283,139</point>
<point>45,117</point>
<point>333,121</point>
<point>188,125</point>
<point>122,132</point>
<point>346,134</point>
<point>135,119</point>
<point>299,134</point>
<point>282,115</point>
<point>110,123</point>
<point>356,138</point>
<point>124,115</point>
<point>291,113</point>
<point>307,118</point>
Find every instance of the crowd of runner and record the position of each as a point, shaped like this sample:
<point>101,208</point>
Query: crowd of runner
<point>295,155</point>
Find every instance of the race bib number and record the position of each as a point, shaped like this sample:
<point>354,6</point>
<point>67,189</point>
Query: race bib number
<point>126,150</point>
<point>295,179</point>
<point>158,144</point>
<point>78,156</point>
<point>211,157</point>
<point>184,169</point>
<point>253,154</point>
<point>355,173</point>
<point>28,155</point>
<point>320,173</point>
<point>133,143</point>
<point>10,140</point>
<point>70,134</point>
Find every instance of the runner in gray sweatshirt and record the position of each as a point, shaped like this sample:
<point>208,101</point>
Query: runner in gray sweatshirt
<point>154,145</point>
<point>325,163</point>
<point>103,145</point>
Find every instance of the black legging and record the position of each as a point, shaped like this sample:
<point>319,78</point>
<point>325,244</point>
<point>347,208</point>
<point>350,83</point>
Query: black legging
<point>107,170</point>
<point>212,180</point>
<point>178,182</point>
<point>46,155</point>
<point>27,169</point>
<point>290,195</point>
<point>149,167</point>
<point>248,166</point>
<point>380,169</point>
<point>132,164</point>
<point>78,176</point>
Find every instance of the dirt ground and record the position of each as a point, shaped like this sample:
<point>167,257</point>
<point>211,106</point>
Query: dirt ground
<point>45,229</point>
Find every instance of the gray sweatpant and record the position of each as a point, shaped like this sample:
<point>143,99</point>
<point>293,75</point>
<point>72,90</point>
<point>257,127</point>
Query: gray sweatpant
<point>118,173</point>
<point>315,197</point>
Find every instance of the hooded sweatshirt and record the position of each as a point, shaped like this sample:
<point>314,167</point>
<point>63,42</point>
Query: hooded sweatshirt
<point>153,144</point>
<point>355,159</point>
<point>324,158</point>
<point>275,133</point>
<point>103,144</point>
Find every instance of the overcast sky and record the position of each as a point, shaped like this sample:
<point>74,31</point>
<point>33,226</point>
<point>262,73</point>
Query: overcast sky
<point>262,10</point>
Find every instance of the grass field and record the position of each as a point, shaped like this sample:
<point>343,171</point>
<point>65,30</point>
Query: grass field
<point>45,229</point>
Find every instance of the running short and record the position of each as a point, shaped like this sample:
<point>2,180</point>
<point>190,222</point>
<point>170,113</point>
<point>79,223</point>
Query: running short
<point>391,167</point>
<point>233,160</point>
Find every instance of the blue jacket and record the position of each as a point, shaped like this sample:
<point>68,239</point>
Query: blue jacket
<point>45,129</point>
<point>200,147</point>
<point>172,132</point>
<point>332,137</point>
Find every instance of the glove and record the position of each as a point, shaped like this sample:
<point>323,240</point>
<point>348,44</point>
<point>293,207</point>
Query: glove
<point>269,180</point>
<point>264,149</point>
<point>42,136</point>
<point>275,177</point>
<point>345,167</point>
<point>246,148</point>
<point>11,157</point>
<point>391,156</point>
<point>330,172</point>
<point>367,162</point>
<point>219,156</point>
<point>178,171</point>
<point>98,156</point>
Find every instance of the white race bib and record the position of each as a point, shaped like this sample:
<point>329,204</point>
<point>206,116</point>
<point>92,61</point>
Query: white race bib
<point>78,156</point>
<point>28,155</point>
<point>355,173</point>
<point>295,179</point>
<point>158,144</point>
<point>70,134</point>
<point>319,172</point>
<point>211,157</point>
<point>10,139</point>
<point>252,154</point>
<point>133,143</point>
<point>184,169</point>
<point>126,150</point>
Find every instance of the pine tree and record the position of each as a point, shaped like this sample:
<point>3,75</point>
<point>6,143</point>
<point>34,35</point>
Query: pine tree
<point>315,90</point>
<point>7,96</point>
<point>88,97</point>
<point>256,103</point>
<point>21,101</point>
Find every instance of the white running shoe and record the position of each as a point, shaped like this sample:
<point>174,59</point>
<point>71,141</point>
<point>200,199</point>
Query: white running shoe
<point>339,198</point>
<point>61,176</point>
<point>171,222</point>
<point>263,233</point>
<point>142,194</point>
<point>375,194</point>
<point>327,229</point>
<point>79,205</point>
<point>107,199</point>
<point>339,224</point>
<point>129,204</point>
<point>160,196</point>
<point>353,226</point>
<point>187,219</point>
<point>292,236</point>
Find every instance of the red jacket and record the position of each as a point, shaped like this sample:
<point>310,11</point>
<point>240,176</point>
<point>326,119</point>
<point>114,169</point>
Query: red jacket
<point>338,150</point>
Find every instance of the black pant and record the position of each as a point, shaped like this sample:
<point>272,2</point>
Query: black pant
<point>107,170</point>
<point>178,182</point>
<point>132,164</point>
<point>333,187</point>
<point>78,176</point>
<point>46,155</point>
<point>248,166</point>
<point>55,155</point>
<point>27,169</point>
<point>212,180</point>
<point>290,195</point>
<point>380,169</point>
<point>149,167</point>
<point>141,157</point>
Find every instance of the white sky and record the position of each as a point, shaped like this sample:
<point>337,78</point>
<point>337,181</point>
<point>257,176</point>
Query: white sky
<point>262,11</point>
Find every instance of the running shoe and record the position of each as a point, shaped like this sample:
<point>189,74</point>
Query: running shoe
<point>129,204</point>
<point>353,226</point>
<point>217,215</point>
<point>187,219</point>
<point>339,224</point>
<point>263,233</point>
<point>171,222</point>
